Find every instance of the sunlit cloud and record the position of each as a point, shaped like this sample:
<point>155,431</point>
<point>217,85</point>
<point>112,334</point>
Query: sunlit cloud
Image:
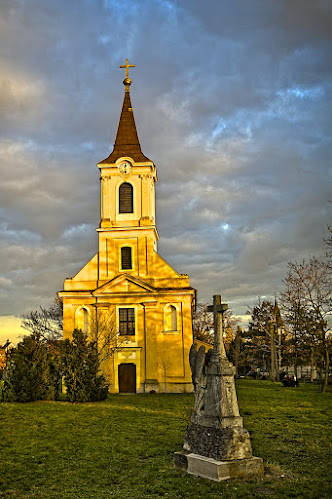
<point>20,93</point>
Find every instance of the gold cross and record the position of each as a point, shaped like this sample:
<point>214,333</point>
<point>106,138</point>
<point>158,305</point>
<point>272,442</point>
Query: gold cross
<point>127,66</point>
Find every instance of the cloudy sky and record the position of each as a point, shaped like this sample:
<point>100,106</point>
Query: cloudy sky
<point>232,101</point>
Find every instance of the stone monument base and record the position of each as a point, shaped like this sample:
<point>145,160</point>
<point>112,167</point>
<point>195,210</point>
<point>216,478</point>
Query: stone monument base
<point>206,467</point>
<point>221,444</point>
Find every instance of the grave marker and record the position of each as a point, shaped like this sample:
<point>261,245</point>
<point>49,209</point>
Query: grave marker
<point>216,446</point>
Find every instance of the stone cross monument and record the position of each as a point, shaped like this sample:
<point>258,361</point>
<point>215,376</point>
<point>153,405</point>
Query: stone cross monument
<point>216,445</point>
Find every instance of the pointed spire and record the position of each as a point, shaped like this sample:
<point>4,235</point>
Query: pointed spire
<point>126,142</point>
<point>277,313</point>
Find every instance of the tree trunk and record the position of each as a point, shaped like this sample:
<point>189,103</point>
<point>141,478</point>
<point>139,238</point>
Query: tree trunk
<point>276,365</point>
<point>312,365</point>
<point>295,354</point>
<point>321,362</point>
<point>279,350</point>
<point>327,365</point>
<point>273,373</point>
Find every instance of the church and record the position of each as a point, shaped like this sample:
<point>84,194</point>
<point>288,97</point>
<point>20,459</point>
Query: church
<point>127,297</point>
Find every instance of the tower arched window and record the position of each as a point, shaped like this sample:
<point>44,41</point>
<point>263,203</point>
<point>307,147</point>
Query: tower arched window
<point>126,198</point>
<point>126,260</point>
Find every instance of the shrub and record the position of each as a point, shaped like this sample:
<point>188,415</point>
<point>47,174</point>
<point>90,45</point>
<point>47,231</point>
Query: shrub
<point>29,371</point>
<point>80,365</point>
<point>6,392</point>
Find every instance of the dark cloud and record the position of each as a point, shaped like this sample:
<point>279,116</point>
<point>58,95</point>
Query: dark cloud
<point>232,101</point>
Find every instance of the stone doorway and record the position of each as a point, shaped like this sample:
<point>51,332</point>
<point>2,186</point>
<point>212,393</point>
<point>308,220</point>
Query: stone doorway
<point>127,378</point>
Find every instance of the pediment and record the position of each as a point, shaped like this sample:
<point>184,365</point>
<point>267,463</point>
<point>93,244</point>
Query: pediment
<point>123,283</point>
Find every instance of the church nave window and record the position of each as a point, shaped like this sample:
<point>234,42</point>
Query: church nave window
<point>126,198</point>
<point>126,260</point>
<point>126,321</point>
<point>170,318</point>
<point>82,319</point>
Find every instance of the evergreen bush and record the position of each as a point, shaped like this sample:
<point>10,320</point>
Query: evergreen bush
<point>29,371</point>
<point>80,366</point>
<point>6,392</point>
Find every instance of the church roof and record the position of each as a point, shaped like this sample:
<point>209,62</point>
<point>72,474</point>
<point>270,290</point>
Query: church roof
<point>126,142</point>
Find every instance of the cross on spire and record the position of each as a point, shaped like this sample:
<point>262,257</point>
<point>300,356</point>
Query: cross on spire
<point>127,80</point>
<point>127,66</point>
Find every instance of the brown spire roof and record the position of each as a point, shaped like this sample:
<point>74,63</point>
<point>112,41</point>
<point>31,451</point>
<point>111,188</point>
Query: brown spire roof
<point>277,314</point>
<point>126,142</point>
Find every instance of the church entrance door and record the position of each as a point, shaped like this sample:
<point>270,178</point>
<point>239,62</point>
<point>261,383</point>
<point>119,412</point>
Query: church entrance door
<point>127,378</point>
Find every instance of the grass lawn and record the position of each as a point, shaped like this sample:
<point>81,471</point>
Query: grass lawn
<point>123,447</point>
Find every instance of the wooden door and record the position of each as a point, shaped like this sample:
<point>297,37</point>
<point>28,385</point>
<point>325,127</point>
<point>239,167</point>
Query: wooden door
<point>127,378</point>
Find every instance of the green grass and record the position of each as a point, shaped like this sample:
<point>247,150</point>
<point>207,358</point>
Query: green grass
<point>123,447</point>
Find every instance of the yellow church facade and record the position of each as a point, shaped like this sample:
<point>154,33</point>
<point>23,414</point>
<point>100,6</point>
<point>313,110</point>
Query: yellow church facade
<point>127,297</point>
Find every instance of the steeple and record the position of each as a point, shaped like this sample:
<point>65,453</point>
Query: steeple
<point>126,142</point>
<point>277,314</point>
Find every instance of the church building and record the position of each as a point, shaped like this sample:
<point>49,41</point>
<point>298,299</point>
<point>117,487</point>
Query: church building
<point>127,296</point>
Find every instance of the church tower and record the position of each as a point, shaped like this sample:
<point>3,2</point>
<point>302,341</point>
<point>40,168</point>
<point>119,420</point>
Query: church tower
<point>127,297</point>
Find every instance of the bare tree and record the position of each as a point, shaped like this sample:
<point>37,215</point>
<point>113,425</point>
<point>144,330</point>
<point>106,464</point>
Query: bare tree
<point>301,340</point>
<point>307,301</point>
<point>264,336</point>
<point>165,365</point>
<point>203,324</point>
<point>104,334</point>
<point>47,322</point>
<point>328,243</point>
<point>230,328</point>
<point>236,352</point>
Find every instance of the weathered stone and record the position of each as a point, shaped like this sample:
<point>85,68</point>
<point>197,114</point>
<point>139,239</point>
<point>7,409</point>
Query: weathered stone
<point>218,443</point>
<point>250,469</point>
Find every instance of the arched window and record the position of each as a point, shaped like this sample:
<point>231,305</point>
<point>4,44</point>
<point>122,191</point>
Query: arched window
<point>82,319</point>
<point>170,318</point>
<point>126,204</point>
<point>126,262</point>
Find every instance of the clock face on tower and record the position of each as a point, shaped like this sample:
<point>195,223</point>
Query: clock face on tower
<point>125,167</point>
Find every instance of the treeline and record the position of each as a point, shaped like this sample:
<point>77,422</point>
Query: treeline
<point>38,368</point>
